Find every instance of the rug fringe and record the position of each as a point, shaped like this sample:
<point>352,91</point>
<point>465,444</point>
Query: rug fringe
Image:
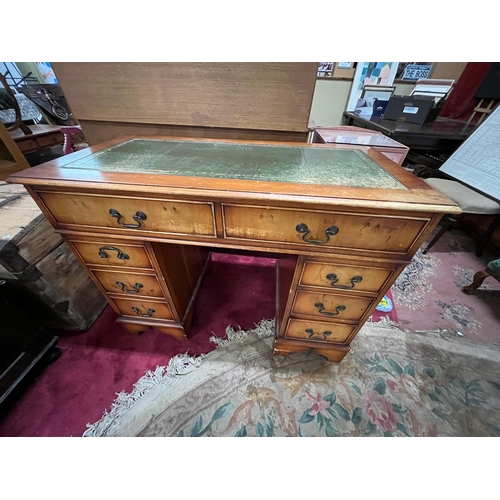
<point>263,329</point>
<point>168,375</point>
<point>383,321</point>
<point>162,375</point>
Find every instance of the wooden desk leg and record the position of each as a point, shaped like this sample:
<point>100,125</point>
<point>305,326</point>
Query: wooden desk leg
<point>134,329</point>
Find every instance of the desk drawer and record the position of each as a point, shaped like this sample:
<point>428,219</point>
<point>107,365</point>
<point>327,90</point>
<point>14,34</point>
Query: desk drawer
<point>318,331</point>
<point>344,277</point>
<point>330,306</point>
<point>316,229</point>
<point>50,140</point>
<point>27,145</point>
<point>141,308</point>
<point>113,254</point>
<point>131,284</point>
<point>137,215</point>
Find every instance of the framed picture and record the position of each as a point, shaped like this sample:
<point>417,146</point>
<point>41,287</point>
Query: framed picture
<point>370,73</point>
<point>325,69</point>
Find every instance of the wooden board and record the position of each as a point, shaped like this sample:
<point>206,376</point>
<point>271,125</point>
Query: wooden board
<point>98,131</point>
<point>11,158</point>
<point>260,96</point>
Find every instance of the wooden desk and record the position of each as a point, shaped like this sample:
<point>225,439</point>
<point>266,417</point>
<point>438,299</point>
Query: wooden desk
<point>43,136</point>
<point>143,215</point>
<point>442,136</point>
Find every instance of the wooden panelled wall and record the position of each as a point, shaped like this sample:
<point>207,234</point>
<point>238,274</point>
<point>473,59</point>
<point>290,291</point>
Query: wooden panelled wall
<point>270,101</point>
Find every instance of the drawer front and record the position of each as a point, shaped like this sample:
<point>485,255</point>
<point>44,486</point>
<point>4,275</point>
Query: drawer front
<point>317,229</point>
<point>342,277</point>
<point>129,283</point>
<point>141,215</point>
<point>330,306</point>
<point>318,331</point>
<point>113,254</point>
<point>49,140</point>
<point>139,308</point>
<point>28,145</point>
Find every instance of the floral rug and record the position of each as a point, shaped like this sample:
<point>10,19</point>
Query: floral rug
<point>428,293</point>
<point>392,383</point>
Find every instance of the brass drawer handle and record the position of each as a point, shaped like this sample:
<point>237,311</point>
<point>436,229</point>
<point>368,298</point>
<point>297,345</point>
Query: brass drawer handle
<point>310,333</point>
<point>120,254</point>
<point>135,289</point>
<point>321,309</point>
<point>139,217</point>
<point>304,230</point>
<point>148,314</point>
<point>333,278</point>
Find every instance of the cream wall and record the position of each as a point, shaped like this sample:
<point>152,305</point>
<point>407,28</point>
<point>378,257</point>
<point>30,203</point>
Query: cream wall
<point>330,101</point>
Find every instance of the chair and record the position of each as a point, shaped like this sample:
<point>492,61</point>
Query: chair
<point>8,101</point>
<point>470,202</point>
<point>492,269</point>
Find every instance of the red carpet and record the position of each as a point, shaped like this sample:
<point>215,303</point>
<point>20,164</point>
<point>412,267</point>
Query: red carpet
<point>94,366</point>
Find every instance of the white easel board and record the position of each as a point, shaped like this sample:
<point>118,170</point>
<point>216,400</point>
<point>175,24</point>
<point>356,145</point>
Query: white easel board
<point>477,161</point>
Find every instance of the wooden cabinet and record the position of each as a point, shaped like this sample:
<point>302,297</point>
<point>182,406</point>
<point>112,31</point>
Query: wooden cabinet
<point>390,148</point>
<point>343,222</point>
<point>41,271</point>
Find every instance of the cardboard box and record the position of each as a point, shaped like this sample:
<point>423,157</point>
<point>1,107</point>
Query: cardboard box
<point>411,109</point>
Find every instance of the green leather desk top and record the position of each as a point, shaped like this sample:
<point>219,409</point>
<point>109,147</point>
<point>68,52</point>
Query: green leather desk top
<point>295,164</point>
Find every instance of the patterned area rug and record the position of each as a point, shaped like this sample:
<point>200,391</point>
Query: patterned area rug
<point>392,383</point>
<point>428,296</point>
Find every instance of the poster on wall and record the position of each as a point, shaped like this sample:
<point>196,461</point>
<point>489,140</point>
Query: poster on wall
<point>325,69</point>
<point>370,73</point>
<point>413,71</point>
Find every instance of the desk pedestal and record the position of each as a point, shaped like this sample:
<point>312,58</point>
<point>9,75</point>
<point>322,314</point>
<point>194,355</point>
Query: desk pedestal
<point>321,300</point>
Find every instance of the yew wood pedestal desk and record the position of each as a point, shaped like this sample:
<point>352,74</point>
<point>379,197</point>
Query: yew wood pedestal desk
<point>143,216</point>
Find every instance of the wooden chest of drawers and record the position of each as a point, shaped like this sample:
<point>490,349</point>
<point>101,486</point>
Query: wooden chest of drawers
<point>142,216</point>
